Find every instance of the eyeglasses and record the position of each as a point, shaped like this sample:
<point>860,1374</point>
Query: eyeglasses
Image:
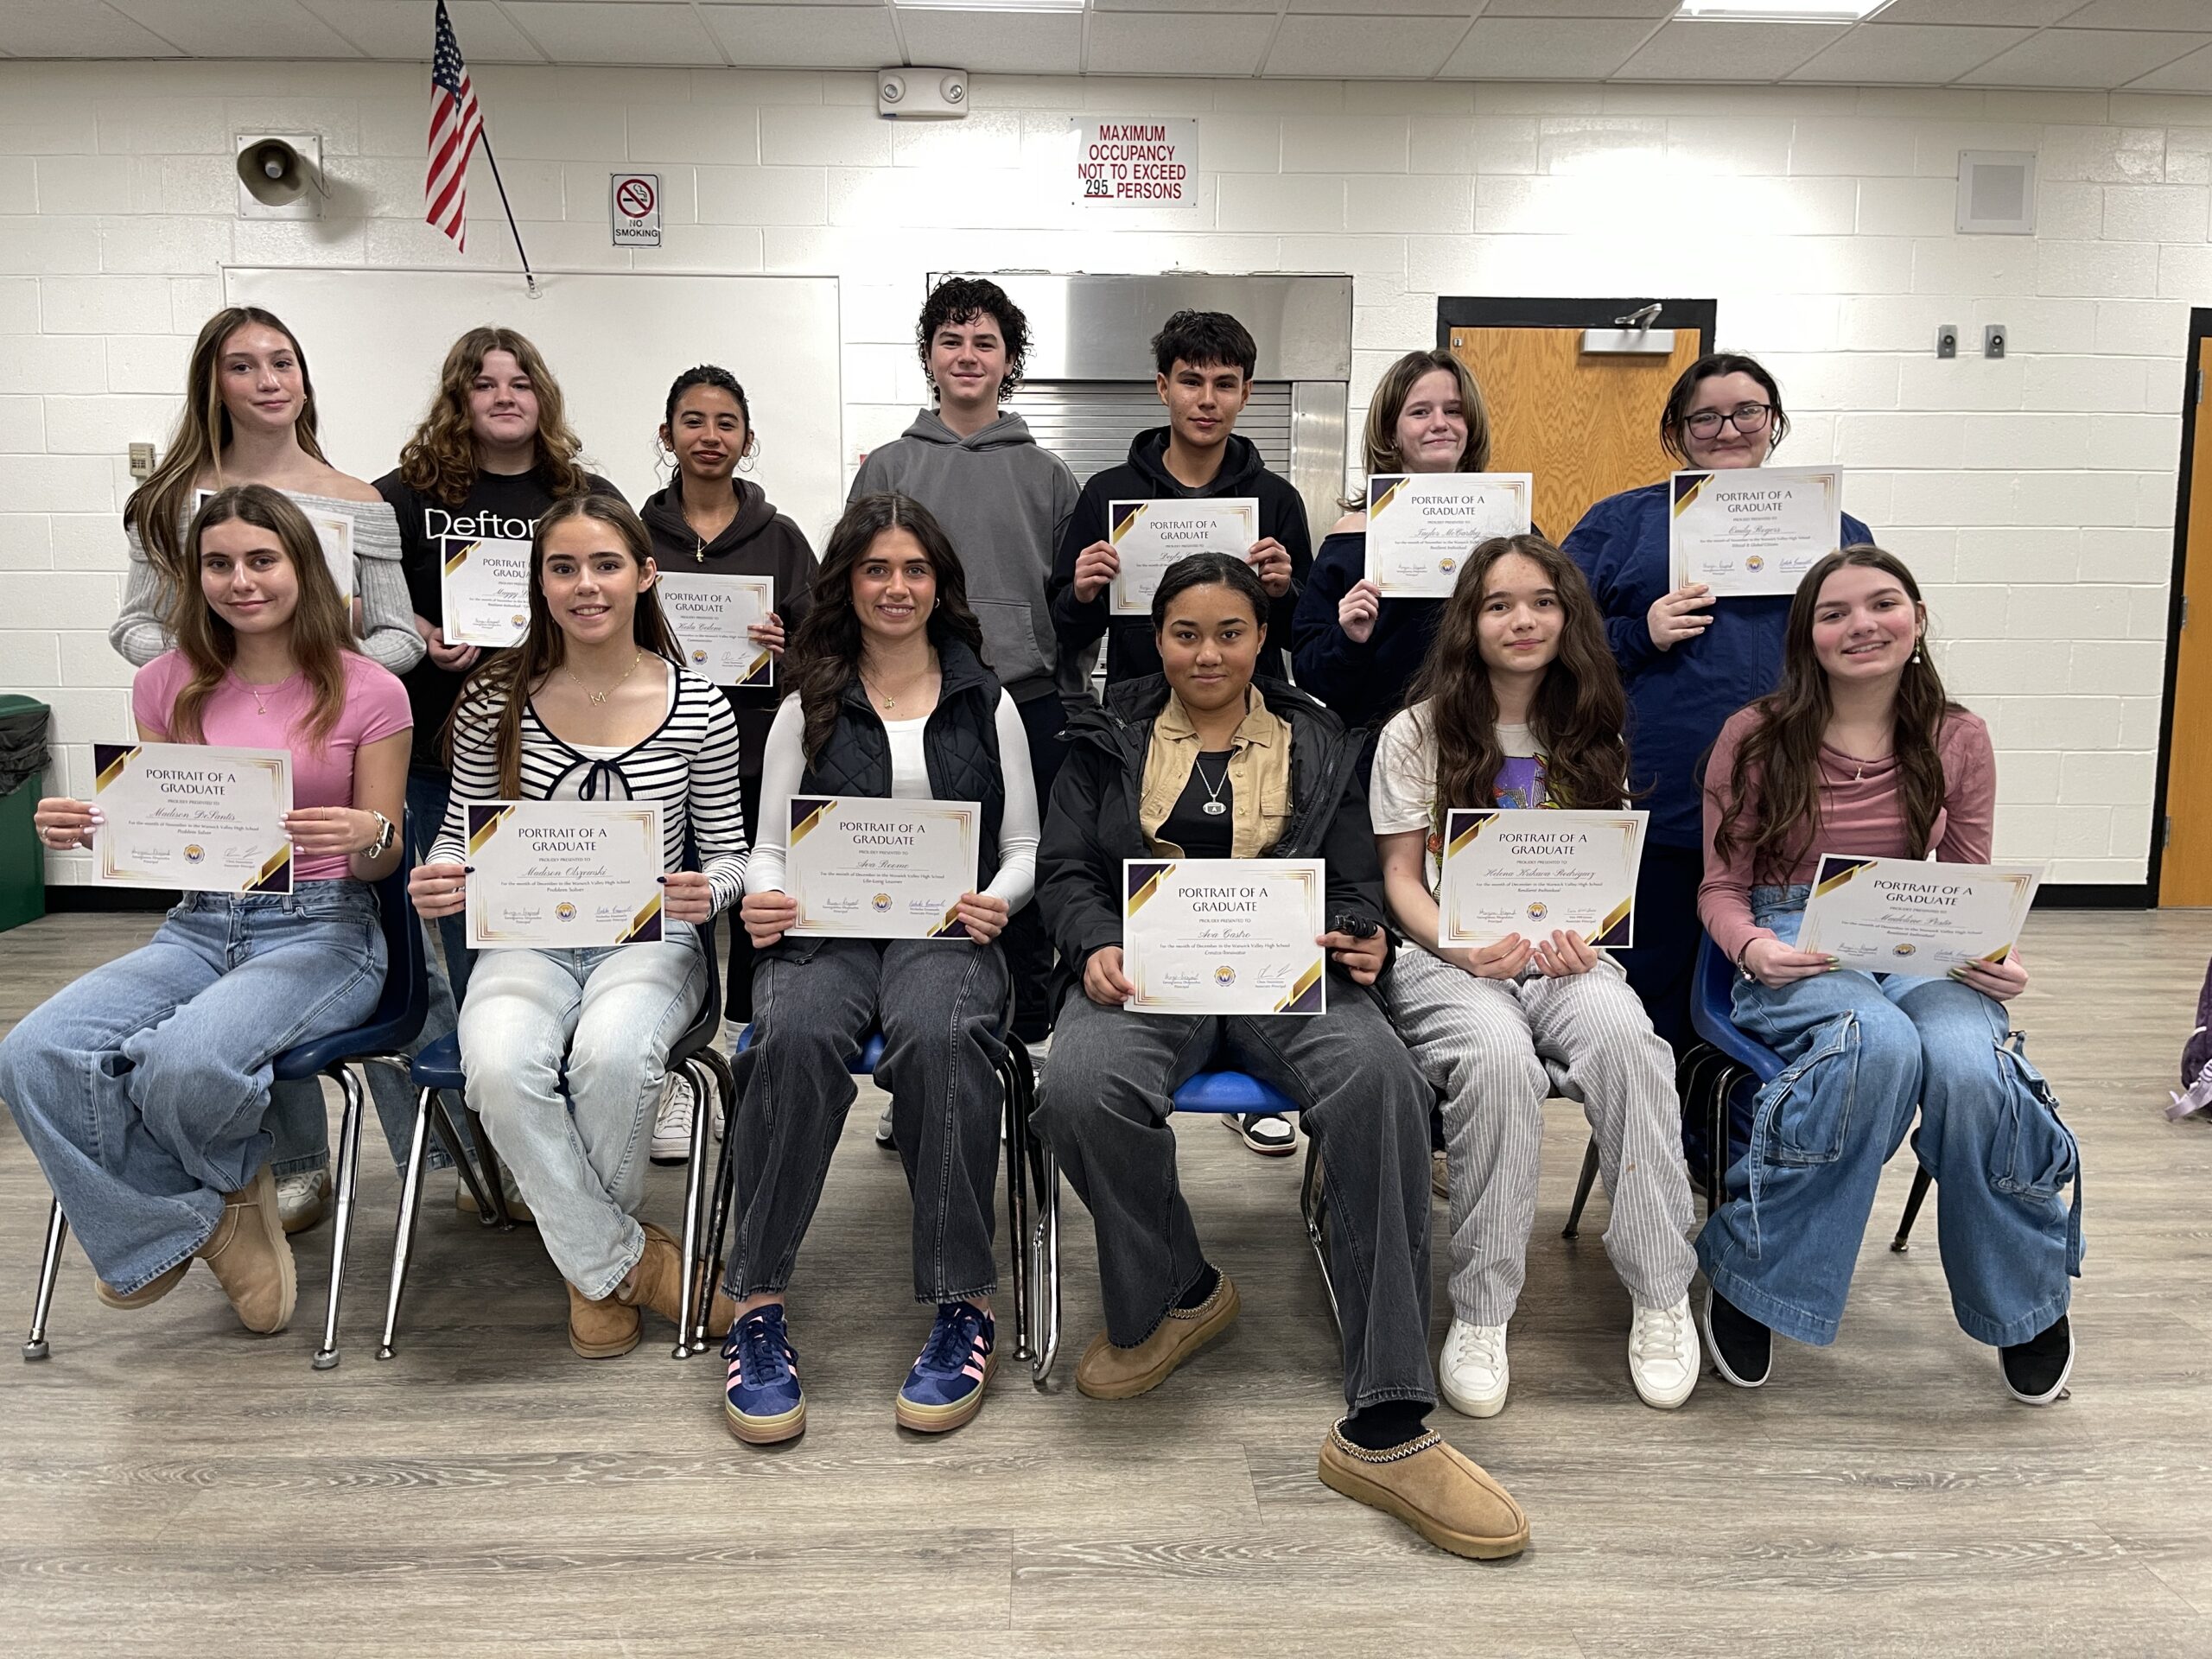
<point>1746,418</point>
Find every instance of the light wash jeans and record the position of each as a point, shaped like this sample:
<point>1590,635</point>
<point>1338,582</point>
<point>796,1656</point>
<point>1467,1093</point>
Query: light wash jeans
<point>1863,1051</point>
<point>142,1087</point>
<point>577,1144</point>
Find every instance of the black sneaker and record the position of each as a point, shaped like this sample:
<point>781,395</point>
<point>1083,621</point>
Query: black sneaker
<point>2036,1370</point>
<point>1741,1348</point>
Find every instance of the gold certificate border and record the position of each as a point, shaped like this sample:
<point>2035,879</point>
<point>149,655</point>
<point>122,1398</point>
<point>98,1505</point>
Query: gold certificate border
<point>117,761</point>
<point>1311,982</point>
<point>642,928</point>
<point>965,814</point>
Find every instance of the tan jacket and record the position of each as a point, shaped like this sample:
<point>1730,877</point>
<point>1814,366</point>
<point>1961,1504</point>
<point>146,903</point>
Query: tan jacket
<point>1259,778</point>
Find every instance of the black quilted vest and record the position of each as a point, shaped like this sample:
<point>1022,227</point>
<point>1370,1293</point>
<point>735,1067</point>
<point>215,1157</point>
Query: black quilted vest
<point>960,743</point>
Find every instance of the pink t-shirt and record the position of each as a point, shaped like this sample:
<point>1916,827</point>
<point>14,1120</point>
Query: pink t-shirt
<point>376,707</point>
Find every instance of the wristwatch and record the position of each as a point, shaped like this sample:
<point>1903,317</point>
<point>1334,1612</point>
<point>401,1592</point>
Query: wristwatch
<point>387,832</point>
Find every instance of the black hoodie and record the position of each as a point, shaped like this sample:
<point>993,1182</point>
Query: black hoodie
<point>1131,653</point>
<point>758,541</point>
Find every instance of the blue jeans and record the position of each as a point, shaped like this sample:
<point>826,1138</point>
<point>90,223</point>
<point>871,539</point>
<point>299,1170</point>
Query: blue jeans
<point>1863,1051</point>
<point>140,1088</point>
<point>576,1144</point>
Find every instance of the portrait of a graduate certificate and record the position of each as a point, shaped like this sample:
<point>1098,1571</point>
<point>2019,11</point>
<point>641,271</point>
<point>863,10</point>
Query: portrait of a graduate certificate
<point>485,591</point>
<point>1420,527</point>
<point>192,817</point>
<point>710,614</point>
<point>1909,916</point>
<point>865,866</point>
<point>564,875</point>
<point>1149,536</point>
<point>1537,872</point>
<point>1754,530</point>
<point>1226,934</point>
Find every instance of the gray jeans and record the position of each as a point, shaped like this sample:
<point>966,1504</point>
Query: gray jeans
<point>941,1006</point>
<point>1107,1097</point>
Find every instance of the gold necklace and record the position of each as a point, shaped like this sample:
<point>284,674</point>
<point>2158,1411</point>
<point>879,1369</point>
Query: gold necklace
<point>597,697</point>
<point>888,702</point>
<point>260,705</point>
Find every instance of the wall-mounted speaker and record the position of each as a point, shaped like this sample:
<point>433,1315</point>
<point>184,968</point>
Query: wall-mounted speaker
<point>280,176</point>
<point>1997,192</point>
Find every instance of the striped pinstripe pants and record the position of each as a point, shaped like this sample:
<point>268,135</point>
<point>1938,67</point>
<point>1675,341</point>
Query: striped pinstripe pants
<point>1481,1044</point>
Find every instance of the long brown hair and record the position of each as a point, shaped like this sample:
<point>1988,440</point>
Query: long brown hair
<point>1779,759</point>
<point>1380,440</point>
<point>158,508</point>
<point>321,627</point>
<point>492,701</point>
<point>1576,715</point>
<point>824,655</point>
<point>440,460</point>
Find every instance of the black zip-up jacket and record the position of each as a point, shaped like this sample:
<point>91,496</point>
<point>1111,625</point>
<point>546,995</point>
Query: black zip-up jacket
<point>1092,825</point>
<point>1132,654</point>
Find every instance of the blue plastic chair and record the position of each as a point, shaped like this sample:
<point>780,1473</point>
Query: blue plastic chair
<point>379,1040</point>
<point>437,1068</point>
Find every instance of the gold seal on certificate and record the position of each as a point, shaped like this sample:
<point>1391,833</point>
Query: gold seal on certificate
<point>564,876</point>
<point>1225,935</point>
<point>334,529</point>
<point>485,592</point>
<point>1912,917</point>
<point>866,866</point>
<point>1420,527</point>
<point>1538,872</point>
<point>192,817</point>
<point>709,616</point>
<point>1149,536</point>
<point>1753,530</point>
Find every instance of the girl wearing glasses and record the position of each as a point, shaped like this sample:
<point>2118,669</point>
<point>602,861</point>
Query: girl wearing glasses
<point>1688,662</point>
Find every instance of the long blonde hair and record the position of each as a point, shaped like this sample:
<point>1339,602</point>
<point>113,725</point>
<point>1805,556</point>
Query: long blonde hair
<point>321,623</point>
<point>440,460</point>
<point>157,508</point>
<point>1380,441</point>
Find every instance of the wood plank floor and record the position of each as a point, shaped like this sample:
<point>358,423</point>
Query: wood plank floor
<point>169,1484</point>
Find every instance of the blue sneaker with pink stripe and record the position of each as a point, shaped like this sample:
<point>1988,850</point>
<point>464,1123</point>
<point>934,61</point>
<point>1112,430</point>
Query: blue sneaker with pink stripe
<point>762,1398</point>
<point>946,1388</point>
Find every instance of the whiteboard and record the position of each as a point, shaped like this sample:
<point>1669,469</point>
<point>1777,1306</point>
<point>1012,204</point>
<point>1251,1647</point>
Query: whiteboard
<point>375,339</point>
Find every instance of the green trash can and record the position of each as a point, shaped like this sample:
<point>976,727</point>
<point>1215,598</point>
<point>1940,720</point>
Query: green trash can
<point>22,759</point>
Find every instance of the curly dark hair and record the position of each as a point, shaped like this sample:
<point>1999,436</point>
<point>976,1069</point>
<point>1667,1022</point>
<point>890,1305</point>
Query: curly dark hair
<point>1205,339</point>
<point>963,299</point>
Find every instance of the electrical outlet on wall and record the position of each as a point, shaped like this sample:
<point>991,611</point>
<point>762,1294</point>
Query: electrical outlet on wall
<point>1993,336</point>
<point>1947,339</point>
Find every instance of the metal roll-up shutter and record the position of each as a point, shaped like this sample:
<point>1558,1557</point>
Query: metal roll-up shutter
<point>1088,423</point>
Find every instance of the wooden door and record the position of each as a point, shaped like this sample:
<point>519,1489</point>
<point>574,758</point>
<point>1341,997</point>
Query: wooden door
<point>2185,869</point>
<point>1587,425</point>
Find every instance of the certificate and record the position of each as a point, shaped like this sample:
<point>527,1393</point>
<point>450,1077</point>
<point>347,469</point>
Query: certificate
<point>862,867</point>
<point>485,591</point>
<point>709,616</point>
<point>1754,530</point>
<point>197,819</point>
<point>564,875</point>
<point>1225,935</point>
<point>334,529</point>
<point>1535,872</point>
<point>1149,536</point>
<point>1420,527</point>
<point>1909,916</point>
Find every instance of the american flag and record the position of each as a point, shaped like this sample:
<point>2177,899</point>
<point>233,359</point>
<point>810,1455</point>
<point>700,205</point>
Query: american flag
<point>455,125</point>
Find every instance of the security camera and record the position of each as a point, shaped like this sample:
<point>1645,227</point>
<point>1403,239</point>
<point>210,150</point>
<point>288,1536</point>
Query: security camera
<point>280,176</point>
<point>918,93</point>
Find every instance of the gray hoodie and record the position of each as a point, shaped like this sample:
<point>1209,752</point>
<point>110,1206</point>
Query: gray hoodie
<point>1004,502</point>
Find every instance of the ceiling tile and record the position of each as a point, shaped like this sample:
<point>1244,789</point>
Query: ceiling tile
<point>803,37</point>
<point>1270,7</point>
<point>1652,9</point>
<point>75,29</point>
<point>1543,48</point>
<point>1994,13</point>
<point>1405,49</point>
<point>2181,15</point>
<point>1706,51</point>
<point>239,28</point>
<point>1462,9</point>
<point>1142,43</point>
<point>2084,57</point>
<point>710,4</point>
<point>401,30</point>
<point>1010,43</point>
<point>1911,55</point>
<point>616,31</point>
<point>2190,74</point>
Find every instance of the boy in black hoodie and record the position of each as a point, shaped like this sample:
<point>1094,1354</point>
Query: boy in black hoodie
<point>1204,361</point>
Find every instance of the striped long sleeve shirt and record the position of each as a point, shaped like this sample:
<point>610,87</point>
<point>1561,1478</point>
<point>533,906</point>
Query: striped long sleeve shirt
<point>689,765</point>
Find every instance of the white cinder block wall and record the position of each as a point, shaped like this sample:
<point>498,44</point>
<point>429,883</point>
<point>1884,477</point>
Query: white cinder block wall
<point>2034,496</point>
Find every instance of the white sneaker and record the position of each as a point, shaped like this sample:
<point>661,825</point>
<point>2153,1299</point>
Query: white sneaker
<point>883,1136</point>
<point>1663,1356</point>
<point>1473,1370</point>
<point>672,1128</point>
<point>304,1200</point>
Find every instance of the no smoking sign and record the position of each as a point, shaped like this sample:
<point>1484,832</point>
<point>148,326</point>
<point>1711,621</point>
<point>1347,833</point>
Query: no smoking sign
<point>635,207</point>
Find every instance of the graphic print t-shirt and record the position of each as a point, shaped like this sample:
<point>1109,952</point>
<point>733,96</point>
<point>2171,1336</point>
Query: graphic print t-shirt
<point>1403,792</point>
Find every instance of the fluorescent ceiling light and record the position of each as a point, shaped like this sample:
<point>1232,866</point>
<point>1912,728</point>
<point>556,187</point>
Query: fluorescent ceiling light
<point>989,5</point>
<point>1781,11</point>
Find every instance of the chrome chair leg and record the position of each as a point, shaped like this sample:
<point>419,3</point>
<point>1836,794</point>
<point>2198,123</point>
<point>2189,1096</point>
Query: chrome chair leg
<point>489,1159</point>
<point>1582,1185</point>
<point>696,1300</point>
<point>1313,1209</point>
<point>1014,1084</point>
<point>1044,1269</point>
<point>719,1197</point>
<point>410,1204</point>
<point>57,1230</point>
<point>349,1167</point>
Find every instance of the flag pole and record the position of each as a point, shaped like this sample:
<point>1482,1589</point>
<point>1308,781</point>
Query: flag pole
<point>484,137</point>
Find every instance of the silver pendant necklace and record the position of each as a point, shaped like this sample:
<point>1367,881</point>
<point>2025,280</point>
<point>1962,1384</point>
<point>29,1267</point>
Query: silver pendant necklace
<point>1212,806</point>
